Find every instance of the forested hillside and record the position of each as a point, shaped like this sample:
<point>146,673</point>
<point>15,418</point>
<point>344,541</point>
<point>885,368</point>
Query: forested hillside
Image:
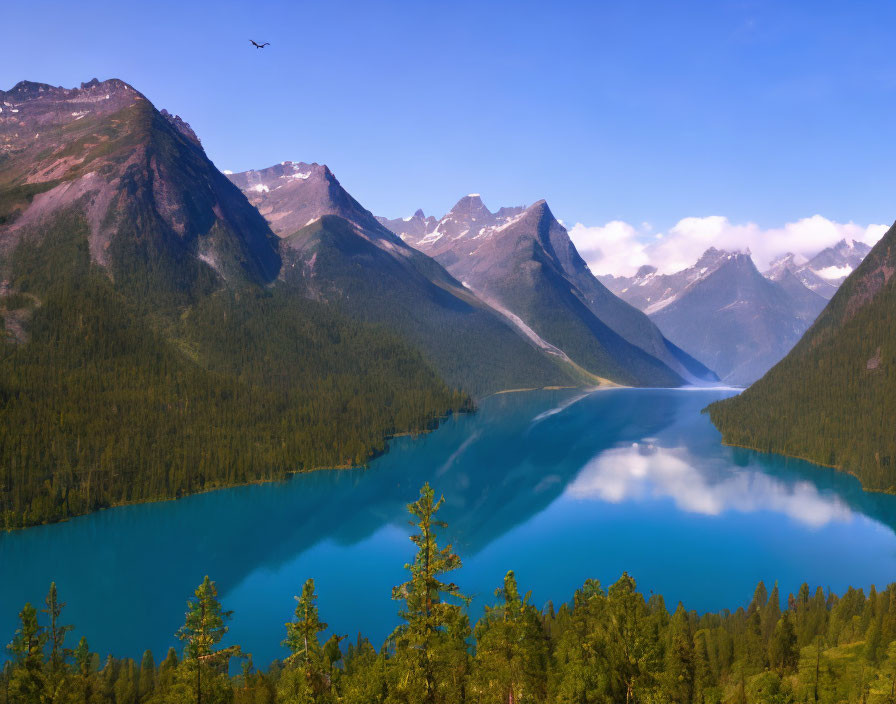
<point>604,646</point>
<point>148,349</point>
<point>832,400</point>
<point>107,402</point>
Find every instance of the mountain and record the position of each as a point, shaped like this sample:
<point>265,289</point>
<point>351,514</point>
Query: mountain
<point>724,312</point>
<point>806,303</point>
<point>824,272</point>
<point>149,347</point>
<point>520,260</point>
<point>650,291</point>
<point>832,399</point>
<point>336,251</point>
<point>145,187</point>
<point>413,226</point>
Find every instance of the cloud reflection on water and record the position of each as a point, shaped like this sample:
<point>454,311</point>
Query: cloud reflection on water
<point>644,471</point>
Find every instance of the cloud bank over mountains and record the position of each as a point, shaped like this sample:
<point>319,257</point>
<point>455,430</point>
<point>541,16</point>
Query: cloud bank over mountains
<point>619,247</point>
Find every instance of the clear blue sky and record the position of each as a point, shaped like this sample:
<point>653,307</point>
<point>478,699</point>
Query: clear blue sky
<point>645,111</point>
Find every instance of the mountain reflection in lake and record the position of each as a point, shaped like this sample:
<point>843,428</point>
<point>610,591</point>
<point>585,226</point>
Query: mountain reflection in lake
<point>557,485</point>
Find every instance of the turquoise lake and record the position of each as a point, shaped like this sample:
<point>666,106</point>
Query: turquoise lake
<point>559,486</point>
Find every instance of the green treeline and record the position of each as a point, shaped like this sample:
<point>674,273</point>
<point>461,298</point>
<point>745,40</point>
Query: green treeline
<point>116,395</point>
<point>605,646</point>
<point>832,399</point>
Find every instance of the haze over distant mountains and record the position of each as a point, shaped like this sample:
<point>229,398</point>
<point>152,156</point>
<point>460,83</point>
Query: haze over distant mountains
<point>726,314</point>
<point>720,311</point>
<point>619,248</point>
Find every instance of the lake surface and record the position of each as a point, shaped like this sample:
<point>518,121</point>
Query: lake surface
<point>559,486</point>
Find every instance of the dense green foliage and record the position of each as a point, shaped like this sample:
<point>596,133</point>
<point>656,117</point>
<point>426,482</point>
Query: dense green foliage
<point>605,646</point>
<point>117,397</point>
<point>832,400</point>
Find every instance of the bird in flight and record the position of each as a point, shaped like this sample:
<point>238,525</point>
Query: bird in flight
<point>257,45</point>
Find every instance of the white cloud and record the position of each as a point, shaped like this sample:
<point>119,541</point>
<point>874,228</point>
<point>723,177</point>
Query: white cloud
<point>644,471</point>
<point>611,248</point>
<point>620,248</point>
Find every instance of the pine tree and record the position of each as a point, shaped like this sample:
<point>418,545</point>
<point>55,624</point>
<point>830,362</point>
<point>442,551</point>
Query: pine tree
<point>365,677</point>
<point>703,674</point>
<point>580,670</point>
<point>59,657</point>
<point>166,677</point>
<point>680,660</point>
<point>511,651</point>
<point>431,660</point>
<point>307,678</point>
<point>770,614</point>
<point>874,645</point>
<point>203,629</point>
<point>84,661</point>
<point>633,647</point>
<point>147,679</point>
<point>26,648</point>
<point>783,654</point>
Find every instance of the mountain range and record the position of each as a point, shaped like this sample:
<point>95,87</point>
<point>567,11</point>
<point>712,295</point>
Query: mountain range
<point>724,312</point>
<point>336,251</point>
<point>824,272</point>
<point>521,261</point>
<point>167,327</point>
<point>150,347</point>
<point>226,328</point>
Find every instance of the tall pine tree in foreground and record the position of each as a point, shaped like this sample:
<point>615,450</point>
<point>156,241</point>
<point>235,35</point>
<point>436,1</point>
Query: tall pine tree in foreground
<point>26,648</point>
<point>59,656</point>
<point>305,680</point>
<point>430,663</point>
<point>203,629</point>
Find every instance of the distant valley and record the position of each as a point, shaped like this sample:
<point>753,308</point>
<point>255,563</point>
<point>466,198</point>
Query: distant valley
<point>729,316</point>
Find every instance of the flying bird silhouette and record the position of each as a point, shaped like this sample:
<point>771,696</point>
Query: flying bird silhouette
<point>257,45</point>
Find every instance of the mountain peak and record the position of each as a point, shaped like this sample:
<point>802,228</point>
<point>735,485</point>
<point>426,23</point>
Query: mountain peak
<point>293,195</point>
<point>713,257</point>
<point>472,204</point>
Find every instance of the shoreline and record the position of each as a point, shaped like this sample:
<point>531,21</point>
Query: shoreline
<point>253,482</point>
<point>836,468</point>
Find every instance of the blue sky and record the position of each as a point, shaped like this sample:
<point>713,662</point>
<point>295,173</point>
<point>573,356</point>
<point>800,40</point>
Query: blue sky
<point>763,112</point>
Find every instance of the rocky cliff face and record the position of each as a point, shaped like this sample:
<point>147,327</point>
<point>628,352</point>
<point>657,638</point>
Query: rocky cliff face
<point>151,197</point>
